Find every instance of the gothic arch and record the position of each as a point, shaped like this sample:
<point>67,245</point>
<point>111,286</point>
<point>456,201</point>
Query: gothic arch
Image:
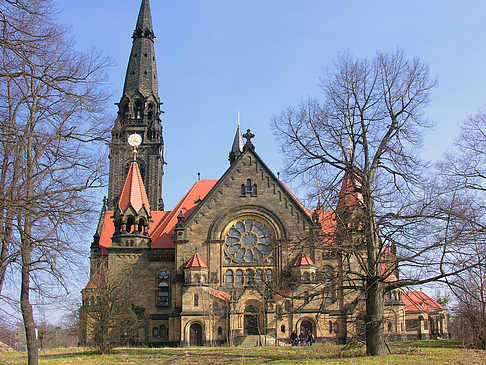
<point>193,326</point>
<point>220,223</point>
<point>302,323</point>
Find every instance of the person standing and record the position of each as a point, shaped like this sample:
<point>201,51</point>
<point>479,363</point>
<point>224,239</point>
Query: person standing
<point>310,338</point>
<point>293,338</point>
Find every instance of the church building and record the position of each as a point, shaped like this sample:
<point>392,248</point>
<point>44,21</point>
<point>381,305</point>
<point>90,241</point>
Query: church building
<point>239,258</point>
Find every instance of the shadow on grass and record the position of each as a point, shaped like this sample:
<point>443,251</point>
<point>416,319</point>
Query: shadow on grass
<point>451,344</point>
<point>222,355</point>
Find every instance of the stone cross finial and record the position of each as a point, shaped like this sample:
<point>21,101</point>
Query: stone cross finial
<point>248,136</point>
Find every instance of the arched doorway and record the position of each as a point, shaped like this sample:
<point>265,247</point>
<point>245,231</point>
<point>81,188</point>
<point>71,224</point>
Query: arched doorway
<point>251,320</point>
<point>195,335</point>
<point>306,326</point>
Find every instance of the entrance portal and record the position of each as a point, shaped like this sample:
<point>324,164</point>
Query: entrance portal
<point>195,335</point>
<point>251,321</point>
<point>306,326</point>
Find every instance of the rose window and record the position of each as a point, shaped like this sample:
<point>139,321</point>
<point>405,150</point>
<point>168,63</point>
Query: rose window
<point>248,241</point>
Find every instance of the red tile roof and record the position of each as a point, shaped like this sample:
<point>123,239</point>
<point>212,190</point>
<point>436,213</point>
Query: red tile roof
<point>390,277</point>
<point>417,301</point>
<point>133,192</point>
<point>349,196</point>
<point>97,279</point>
<point>309,212</point>
<point>220,294</point>
<point>162,226</point>
<point>164,229</point>
<point>303,260</point>
<point>327,219</point>
<point>282,293</point>
<point>195,261</point>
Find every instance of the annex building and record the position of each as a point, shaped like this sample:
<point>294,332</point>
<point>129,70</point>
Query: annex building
<point>238,256</point>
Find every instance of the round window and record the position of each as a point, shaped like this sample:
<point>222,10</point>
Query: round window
<point>248,241</point>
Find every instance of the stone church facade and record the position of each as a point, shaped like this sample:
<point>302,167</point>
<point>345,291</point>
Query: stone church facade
<point>236,257</point>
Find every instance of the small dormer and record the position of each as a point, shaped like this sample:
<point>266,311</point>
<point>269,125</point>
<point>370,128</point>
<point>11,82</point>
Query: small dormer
<point>304,269</point>
<point>132,214</point>
<point>196,271</point>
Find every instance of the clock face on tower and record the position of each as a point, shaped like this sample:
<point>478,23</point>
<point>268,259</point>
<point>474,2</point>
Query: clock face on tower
<point>134,140</point>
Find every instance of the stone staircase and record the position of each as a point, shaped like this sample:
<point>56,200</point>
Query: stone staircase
<point>256,340</point>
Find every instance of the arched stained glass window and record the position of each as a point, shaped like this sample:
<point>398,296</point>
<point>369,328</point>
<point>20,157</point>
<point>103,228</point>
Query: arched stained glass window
<point>163,288</point>
<point>239,277</point>
<point>258,275</point>
<point>268,276</point>
<point>229,276</point>
<point>163,331</point>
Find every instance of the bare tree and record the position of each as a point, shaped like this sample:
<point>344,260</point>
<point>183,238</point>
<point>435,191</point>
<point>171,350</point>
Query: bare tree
<point>464,172</point>
<point>51,106</point>
<point>108,312</point>
<point>367,131</point>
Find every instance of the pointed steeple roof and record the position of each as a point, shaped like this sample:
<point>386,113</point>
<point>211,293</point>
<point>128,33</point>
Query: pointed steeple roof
<point>196,261</point>
<point>350,196</point>
<point>142,71</point>
<point>133,192</point>
<point>303,260</point>
<point>237,147</point>
<point>144,21</point>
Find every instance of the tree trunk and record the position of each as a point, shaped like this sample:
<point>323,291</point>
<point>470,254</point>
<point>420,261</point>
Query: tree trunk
<point>5,250</point>
<point>375,340</point>
<point>26,307</point>
<point>26,251</point>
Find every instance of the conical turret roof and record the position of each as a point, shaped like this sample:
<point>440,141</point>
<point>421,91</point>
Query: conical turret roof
<point>133,192</point>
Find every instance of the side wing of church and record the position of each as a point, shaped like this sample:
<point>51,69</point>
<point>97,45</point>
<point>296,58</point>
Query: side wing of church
<point>239,258</point>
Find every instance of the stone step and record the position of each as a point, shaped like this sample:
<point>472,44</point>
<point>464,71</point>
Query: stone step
<point>262,340</point>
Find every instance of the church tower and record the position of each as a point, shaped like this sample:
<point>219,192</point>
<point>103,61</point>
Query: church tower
<point>139,112</point>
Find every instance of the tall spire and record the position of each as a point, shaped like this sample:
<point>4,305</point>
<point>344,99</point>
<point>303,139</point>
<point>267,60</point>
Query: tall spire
<point>144,21</point>
<point>142,71</point>
<point>139,112</point>
<point>238,144</point>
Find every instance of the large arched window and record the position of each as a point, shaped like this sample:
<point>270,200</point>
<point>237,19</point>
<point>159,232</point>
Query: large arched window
<point>155,332</point>
<point>163,288</point>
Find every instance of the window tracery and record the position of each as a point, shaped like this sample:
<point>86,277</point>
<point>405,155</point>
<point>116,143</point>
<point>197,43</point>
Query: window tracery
<point>248,241</point>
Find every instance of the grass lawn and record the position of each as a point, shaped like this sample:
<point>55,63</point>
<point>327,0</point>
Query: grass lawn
<point>416,353</point>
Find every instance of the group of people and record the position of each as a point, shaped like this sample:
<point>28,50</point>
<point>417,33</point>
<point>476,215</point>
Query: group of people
<point>305,338</point>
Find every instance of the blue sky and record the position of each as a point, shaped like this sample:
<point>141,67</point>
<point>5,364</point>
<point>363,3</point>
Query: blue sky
<point>217,57</point>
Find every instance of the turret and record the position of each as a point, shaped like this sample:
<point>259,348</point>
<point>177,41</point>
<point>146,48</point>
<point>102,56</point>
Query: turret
<point>132,214</point>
